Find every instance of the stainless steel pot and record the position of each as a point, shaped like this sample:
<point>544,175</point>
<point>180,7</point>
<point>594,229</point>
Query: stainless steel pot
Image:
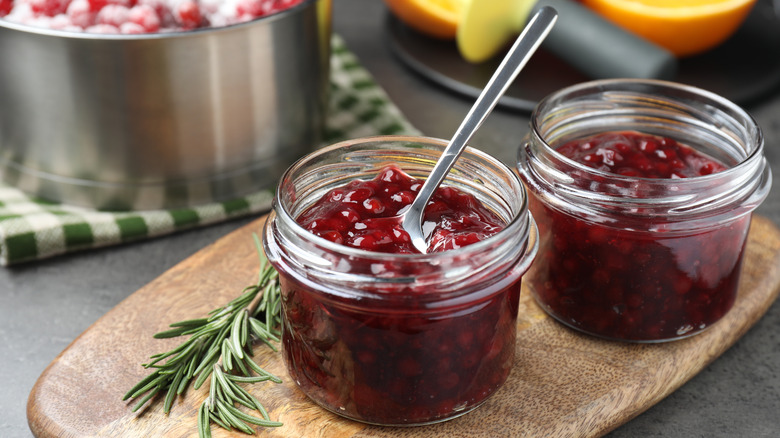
<point>161,120</point>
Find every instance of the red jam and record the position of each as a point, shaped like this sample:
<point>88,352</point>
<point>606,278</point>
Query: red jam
<point>364,215</point>
<point>621,283</point>
<point>375,362</point>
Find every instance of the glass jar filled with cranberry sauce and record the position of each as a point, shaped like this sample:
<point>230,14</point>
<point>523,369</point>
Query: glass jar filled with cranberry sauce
<point>374,330</point>
<point>643,192</point>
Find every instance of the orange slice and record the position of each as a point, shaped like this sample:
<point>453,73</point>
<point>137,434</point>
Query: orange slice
<point>436,18</point>
<point>684,27</point>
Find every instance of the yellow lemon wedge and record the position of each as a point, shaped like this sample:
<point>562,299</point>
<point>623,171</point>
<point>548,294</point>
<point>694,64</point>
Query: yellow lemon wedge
<point>487,25</point>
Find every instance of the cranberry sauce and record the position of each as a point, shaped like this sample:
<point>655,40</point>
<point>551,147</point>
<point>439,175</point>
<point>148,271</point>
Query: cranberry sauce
<point>619,282</point>
<point>137,16</point>
<point>388,367</point>
<point>364,215</point>
<point>404,358</point>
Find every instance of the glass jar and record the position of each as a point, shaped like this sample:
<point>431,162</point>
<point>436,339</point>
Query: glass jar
<point>399,339</point>
<point>640,259</point>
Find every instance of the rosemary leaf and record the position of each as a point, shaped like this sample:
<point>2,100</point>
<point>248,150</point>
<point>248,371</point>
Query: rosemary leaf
<point>172,391</point>
<point>246,402</point>
<point>241,396</point>
<point>223,382</point>
<point>182,355</point>
<point>250,402</point>
<point>194,360</point>
<point>250,419</point>
<point>234,421</point>
<point>260,408</point>
<point>148,380</point>
<point>261,371</point>
<point>244,337</point>
<point>183,384</point>
<point>204,425</point>
<point>241,367</point>
<point>235,336</point>
<point>206,363</point>
<point>206,372</point>
<point>146,398</point>
<point>242,379</point>
<point>215,418</point>
<point>172,333</point>
<point>227,355</point>
<point>220,413</point>
<point>148,386</point>
<point>190,323</point>
<point>213,390</point>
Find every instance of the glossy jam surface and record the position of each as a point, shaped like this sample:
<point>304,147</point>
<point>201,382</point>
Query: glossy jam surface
<point>640,155</point>
<point>364,214</point>
<point>137,16</point>
<point>398,360</point>
<point>621,283</point>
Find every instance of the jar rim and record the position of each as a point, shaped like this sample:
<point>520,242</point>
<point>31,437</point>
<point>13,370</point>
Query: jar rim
<point>518,222</point>
<point>624,84</point>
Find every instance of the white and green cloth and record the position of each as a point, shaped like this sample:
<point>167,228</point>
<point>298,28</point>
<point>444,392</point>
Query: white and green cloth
<point>33,229</point>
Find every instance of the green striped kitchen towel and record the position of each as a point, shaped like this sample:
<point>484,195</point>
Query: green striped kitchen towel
<point>31,229</point>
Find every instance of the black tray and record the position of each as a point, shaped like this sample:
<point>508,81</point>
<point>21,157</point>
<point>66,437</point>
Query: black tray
<point>744,69</point>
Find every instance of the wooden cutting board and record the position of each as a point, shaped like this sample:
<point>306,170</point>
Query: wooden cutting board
<point>563,383</point>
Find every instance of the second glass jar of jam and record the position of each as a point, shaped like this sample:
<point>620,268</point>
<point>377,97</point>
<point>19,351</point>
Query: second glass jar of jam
<point>373,330</point>
<point>643,191</point>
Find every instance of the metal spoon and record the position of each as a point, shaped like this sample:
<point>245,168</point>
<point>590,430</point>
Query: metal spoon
<point>525,45</point>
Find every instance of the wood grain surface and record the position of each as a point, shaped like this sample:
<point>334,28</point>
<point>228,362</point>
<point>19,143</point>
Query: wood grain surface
<point>563,383</point>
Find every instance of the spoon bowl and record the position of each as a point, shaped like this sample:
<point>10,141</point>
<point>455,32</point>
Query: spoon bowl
<point>526,44</point>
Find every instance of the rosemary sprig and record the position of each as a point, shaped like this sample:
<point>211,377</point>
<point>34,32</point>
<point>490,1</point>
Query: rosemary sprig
<point>220,346</point>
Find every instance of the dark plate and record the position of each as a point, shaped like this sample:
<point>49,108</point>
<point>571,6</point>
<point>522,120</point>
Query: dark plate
<point>744,69</point>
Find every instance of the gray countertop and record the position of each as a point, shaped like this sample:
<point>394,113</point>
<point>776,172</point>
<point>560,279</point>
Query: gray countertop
<point>45,305</point>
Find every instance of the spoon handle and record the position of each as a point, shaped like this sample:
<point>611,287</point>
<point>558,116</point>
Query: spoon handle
<point>525,45</point>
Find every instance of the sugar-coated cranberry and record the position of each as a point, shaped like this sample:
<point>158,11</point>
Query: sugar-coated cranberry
<point>187,15</point>
<point>5,7</point>
<point>114,15</point>
<point>60,22</point>
<point>131,28</point>
<point>364,214</point>
<point>146,17</point>
<point>81,14</point>
<point>621,283</point>
<point>96,5</point>
<point>163,11</point>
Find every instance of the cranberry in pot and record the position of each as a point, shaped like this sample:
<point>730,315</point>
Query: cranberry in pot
<point>643,191</point>
<point>374,330</point>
